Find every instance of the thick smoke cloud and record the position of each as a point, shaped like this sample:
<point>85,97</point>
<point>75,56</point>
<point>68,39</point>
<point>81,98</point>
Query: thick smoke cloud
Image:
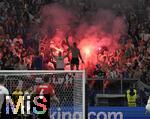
<point>55,17</point>
<point>102,28</point>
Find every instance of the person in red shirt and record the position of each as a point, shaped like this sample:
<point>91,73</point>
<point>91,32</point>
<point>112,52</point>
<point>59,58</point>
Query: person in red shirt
<point>45,89</point>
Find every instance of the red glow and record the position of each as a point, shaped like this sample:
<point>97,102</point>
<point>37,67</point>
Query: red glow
<point>89,47</point>
<point>97,35</point>
<point>56,48</point>
<point>87,51</point>
<point>99,48</point>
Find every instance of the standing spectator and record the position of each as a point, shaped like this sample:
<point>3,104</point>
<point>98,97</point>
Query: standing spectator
<point>59,61</point>
<point>37,62</point>
<point>75,55</point>
<point>3,92</point>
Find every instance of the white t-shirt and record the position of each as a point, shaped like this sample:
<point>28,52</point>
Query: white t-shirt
<point>22,67</point>
<point>148,105</point>
<point>59,62</point>
<point>3,91</point>
<point>113,74</point>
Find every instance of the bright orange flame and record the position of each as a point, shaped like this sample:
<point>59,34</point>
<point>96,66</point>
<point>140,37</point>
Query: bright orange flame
<point>87,51</point>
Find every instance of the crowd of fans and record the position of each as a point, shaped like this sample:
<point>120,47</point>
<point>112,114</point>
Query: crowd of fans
<point>18,47</point>
<point>132,59</point>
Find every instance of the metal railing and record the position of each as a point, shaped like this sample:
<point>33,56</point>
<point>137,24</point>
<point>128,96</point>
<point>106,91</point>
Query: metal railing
<point>121,82</point>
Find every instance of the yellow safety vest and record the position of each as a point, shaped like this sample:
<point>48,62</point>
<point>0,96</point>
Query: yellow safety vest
<point>131,99</point>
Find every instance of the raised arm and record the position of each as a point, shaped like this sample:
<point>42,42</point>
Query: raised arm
<point>52,54</point>
<point>68,42</point>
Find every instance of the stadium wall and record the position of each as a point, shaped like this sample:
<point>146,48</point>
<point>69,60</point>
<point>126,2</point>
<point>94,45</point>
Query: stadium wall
<point>118,113</point>
<point>103,113</point>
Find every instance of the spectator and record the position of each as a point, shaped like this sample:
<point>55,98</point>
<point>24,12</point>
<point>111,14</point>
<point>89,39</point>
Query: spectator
<point>37,62</point>
<point>59,61</point>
